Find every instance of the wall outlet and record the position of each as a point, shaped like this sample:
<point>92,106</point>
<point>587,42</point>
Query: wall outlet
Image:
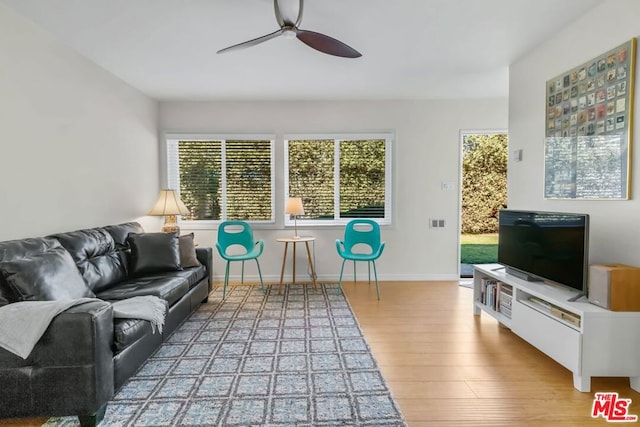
<point>436,223</point>
<point>447,185</point>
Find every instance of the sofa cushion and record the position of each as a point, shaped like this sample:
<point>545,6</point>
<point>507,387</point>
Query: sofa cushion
<point>170,286</point>
<point>154,253</point>
<point>7,296</point>
<point>120,233</point>
<point>14,249</point>
<point>128,331</point>
<point>94,252</point>
<point>191,275</point>
<point>187,248</point>
<point>47,276</point>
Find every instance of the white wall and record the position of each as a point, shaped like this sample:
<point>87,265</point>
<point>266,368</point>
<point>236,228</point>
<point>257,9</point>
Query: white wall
<point>615,229</point>
<point>426,153</point>
<point>79,147</point>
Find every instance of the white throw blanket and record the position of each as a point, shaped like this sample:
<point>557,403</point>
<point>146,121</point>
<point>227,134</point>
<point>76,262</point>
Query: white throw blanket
<point>23,323</point>
<point>148,308</point>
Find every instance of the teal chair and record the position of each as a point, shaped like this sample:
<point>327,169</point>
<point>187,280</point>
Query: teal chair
<point>363,233</point>
<point>238,233</point>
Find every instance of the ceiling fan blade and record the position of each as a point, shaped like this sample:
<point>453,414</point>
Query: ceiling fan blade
<point>282,21</point>
<point>279,18</point>
<point>300,10</point>
<point>326,44</point>
<point>250,43</point>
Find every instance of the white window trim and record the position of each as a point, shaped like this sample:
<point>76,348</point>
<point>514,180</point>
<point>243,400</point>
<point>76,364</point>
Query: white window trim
<point>172,179</point>
<point>389,138</point>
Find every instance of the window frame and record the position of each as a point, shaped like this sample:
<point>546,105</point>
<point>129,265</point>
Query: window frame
<point>172,176</point>
<point>388,137</point>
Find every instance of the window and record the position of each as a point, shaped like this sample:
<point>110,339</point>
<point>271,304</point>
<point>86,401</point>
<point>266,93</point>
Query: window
<point>223,178</point>
<point>340,177</point>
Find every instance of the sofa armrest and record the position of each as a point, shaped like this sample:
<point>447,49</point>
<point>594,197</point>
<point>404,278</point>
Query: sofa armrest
<point>205,256</point>
<point>70,370</point>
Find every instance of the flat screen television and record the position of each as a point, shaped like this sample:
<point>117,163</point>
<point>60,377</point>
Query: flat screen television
<point>549,246</point>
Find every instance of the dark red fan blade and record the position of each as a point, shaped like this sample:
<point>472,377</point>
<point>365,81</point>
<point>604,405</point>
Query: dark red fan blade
<point>326,44</point>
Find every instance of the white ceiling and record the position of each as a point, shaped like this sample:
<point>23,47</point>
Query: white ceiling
<point>411,48</point>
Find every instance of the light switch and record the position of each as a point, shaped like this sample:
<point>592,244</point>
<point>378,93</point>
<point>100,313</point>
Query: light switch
<point>516,155</point>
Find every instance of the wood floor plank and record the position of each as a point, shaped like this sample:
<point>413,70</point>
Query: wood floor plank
<point>425,373</point>
<point>531,389</point>
<point>431,389</point>
<point>544,412</point>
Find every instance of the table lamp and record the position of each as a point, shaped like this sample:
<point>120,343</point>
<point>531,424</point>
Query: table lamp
<point>294,207</point>
<point>169,205</point>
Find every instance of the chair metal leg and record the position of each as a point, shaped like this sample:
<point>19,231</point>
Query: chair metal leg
<point>354,271</point>
<point>226,280</point>
<point>369,270</point>
<point>260,274</point>
<point>242,274</point>
<point>375,273</point>
<point>340,279</point>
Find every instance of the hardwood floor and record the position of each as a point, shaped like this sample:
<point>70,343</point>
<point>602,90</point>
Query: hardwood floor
<point>447,367</point>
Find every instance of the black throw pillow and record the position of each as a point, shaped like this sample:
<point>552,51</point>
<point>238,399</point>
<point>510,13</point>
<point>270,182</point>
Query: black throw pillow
<point>154,252</point>
<point>188,256</point>
<point>46,276</point>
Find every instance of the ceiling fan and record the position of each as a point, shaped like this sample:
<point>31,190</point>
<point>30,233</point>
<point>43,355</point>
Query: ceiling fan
<point>290,29</point>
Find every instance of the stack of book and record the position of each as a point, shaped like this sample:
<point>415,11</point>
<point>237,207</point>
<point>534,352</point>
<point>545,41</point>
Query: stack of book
<point>496,295</point>
<point>487,287</point>
<point>505,298</point>
<point>556,311</point>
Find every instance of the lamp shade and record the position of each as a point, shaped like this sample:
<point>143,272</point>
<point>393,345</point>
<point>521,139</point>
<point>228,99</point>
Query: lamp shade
<point>294,206</point>
<point>168,203</point>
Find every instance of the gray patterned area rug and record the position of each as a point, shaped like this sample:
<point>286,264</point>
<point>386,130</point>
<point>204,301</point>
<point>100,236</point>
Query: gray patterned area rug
<point>298,358</point>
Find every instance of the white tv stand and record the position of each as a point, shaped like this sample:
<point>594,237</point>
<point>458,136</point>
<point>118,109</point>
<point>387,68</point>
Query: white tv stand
<point>586,339</point>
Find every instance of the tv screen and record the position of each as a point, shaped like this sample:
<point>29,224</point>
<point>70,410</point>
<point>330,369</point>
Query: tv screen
<point>545,246</point>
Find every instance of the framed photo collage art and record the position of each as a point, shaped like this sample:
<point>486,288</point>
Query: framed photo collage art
<point>588,128</point>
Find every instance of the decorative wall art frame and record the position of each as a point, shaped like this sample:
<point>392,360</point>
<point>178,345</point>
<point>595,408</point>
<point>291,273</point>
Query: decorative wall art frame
<point>588,128</point>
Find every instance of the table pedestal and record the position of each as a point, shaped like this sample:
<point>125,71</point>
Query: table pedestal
<point>295,241</point>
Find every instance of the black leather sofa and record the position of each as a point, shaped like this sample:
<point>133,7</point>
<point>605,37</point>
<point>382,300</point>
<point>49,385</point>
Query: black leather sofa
<point>86,355</point>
